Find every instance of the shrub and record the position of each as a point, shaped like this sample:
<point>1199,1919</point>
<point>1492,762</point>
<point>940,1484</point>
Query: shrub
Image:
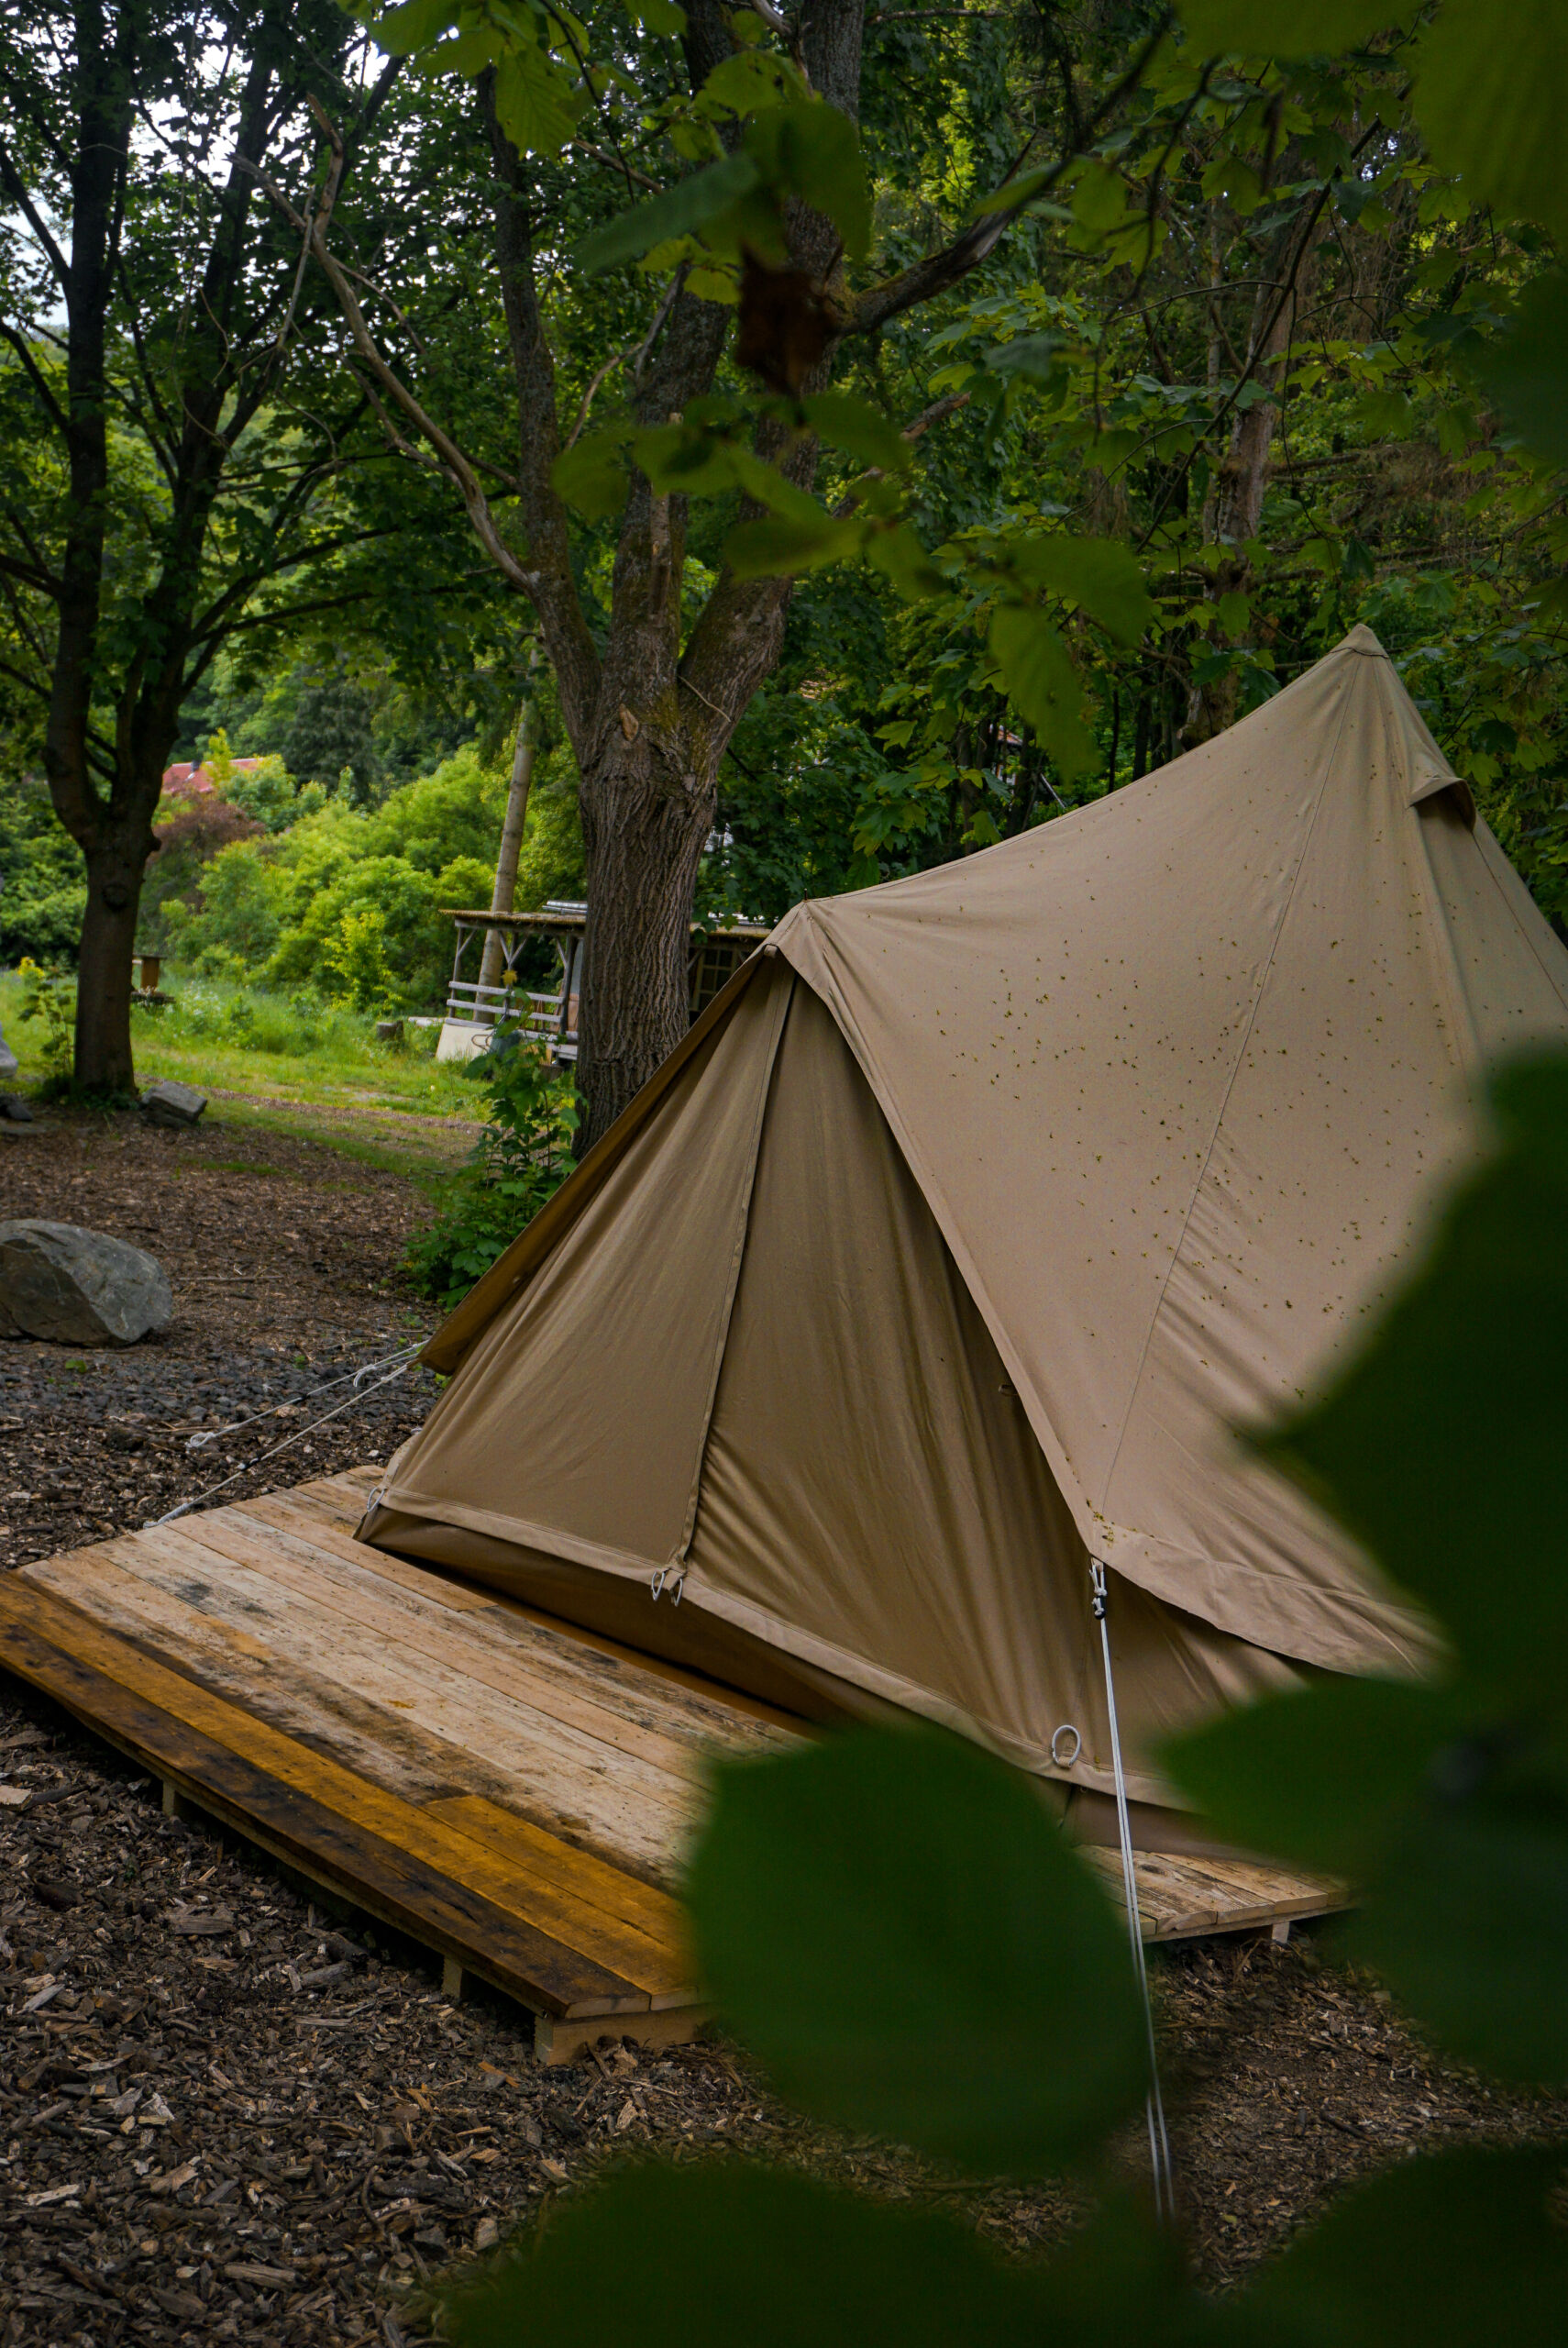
<point>49,1003</point>
<point>43,884</point>
<point>521,1159</point>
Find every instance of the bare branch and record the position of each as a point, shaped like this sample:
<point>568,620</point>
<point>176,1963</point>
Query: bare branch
<point>36,376</point>
<point>15,188</point>
<point>452,457</point>
<point>615,164</point>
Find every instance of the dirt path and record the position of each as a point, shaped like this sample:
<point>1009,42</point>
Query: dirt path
<point>228,2116</point>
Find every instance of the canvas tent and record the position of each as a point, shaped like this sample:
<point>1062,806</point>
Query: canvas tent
<point>947,1250</point>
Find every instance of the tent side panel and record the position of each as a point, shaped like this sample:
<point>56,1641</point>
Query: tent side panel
<point>575,1425</point>
<point>873,1498</point>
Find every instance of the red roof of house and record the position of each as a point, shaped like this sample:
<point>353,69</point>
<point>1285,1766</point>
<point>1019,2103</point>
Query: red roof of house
<point>188,778</point>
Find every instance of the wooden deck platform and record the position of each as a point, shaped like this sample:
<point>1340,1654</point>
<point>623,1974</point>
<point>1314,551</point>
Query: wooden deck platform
<point>512,1793</point>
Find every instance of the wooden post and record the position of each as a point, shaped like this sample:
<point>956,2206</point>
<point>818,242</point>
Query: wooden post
<point>505,890</point>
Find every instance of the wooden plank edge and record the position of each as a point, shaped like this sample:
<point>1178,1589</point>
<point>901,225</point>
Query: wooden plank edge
<point>563,2041</point>
<point>52,1675</point>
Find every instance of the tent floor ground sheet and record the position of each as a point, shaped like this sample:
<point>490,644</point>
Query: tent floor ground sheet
<point>514,1794</point>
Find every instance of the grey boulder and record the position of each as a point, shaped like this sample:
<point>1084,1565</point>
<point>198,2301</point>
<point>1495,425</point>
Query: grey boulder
<point>168,1103</point>
<point>8,1060</point>
<point>78,1288</point>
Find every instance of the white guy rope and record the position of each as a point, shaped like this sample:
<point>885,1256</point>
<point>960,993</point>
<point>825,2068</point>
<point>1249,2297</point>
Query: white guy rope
<point>199,1499</point>
<point>1154,2107</point>
<point>286,1401</point>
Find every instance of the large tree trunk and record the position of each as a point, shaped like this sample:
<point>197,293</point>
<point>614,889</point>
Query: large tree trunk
<point>648,808</point>
<point>116,859</point>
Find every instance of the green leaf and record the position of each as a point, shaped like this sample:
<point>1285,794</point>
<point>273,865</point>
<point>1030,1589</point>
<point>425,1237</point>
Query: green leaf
<point>861,431</point>
<point>812,151</point>
<point>752,80</point>
<point>1441,1445</point>
<point>591,475</point>
<point>536,103</point>
<point>784,547</point>
<point>692,204</point>
<point>1320,1776</point>
<point>1492,98</point>
<point>850,1900</point>
<point>1459,2250</point>
<point>737,2256</point>
<point>1467,1918</point>
<point>413,26</point>
<point>1525,370</point>
<point>901,556</point>
<point>1043,684</point>
<point>658,16</point>
<point>680,460</point>
<point>1286,28</point>
<point>1101,575</point>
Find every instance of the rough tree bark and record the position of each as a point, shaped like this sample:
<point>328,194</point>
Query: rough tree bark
<point>648,722</point>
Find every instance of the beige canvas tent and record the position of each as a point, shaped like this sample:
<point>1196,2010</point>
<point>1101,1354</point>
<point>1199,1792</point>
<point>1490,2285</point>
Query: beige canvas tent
<point>947,1250</point>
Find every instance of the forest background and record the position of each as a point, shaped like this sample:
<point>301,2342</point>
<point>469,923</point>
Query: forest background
<point>1210,360</point>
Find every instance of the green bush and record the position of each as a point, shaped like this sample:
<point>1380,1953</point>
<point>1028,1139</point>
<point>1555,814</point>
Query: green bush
<point>49,1005</point>
<point>521,1159</point>
<point>43,881</point>
<point>350,902</point>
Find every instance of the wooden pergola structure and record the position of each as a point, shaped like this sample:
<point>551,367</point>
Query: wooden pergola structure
<point>473,1009</point>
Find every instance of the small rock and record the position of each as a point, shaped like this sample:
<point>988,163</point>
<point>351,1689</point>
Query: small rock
<point>487,2233</point>
<point>389,1031</point>
<point>165,1102</point>
<point>78,1288</point>
<point>13,1108</point>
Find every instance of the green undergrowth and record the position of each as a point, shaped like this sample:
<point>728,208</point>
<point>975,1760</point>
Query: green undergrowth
<point>247,1039</point>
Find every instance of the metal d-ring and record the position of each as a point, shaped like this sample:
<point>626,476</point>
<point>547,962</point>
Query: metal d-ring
<point>1066,1729</point>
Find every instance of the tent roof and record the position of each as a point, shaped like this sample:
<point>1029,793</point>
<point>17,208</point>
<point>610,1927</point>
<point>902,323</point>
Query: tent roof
<point>1179,1075</point>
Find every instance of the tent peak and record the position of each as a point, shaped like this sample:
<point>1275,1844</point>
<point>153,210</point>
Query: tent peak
<point>1362,640</point>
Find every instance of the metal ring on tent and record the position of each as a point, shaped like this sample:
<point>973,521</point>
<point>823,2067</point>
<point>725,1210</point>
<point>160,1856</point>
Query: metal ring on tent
<point>1066,1729</point>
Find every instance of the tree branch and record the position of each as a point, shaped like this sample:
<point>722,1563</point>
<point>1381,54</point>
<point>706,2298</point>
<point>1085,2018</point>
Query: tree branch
<point>452,457</point>
<point>15,188</point>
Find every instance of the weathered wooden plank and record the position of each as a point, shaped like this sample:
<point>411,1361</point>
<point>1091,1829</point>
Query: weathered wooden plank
<point>431,1882</point>
<point>615,1714</point>
<point>323,1665</point>
<point>631,1924</point>
<point>1180,1897</point>
<point>729,1710</point>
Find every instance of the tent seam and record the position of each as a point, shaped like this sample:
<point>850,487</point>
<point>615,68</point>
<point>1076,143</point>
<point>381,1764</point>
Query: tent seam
<point>742,1233</point>
<point>1328,770</point>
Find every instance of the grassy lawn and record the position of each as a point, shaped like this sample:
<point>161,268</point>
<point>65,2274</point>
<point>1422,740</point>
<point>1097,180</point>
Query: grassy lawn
<point>293,1067</point>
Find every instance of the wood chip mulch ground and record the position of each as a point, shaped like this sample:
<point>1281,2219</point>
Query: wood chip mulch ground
<point>228,2115</point>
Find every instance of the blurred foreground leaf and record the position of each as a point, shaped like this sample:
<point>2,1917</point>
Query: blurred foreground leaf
<point>726,2255</point>
<point>1442,1448</point>
<point>1464,2250</point>
<point>1526,370</point>
<point>1443,1445</point>
<point>1043,684</point>
<point>892,1922</point>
